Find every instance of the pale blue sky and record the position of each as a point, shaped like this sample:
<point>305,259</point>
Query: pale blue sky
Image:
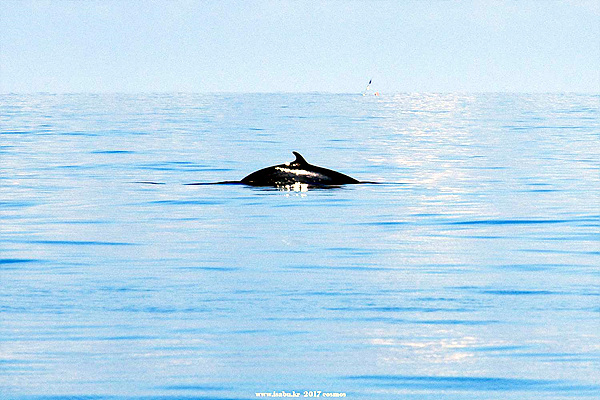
<point>299,46</point>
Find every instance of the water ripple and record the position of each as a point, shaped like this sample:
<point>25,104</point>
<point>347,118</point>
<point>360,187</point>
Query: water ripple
<point>73,242</point>
<point>475,384</point>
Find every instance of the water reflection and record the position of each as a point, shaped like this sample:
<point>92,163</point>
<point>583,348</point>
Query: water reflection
<point>296,187</point>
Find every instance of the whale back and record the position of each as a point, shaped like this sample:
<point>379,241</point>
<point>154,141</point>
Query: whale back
<point>297,171</point>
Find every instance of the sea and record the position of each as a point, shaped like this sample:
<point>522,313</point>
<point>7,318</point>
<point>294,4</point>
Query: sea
<point>470,270</point>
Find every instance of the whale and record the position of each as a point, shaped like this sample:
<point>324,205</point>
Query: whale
<point>297,172</point>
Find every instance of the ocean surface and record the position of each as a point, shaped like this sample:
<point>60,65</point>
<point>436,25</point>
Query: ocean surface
<point>471,272</point>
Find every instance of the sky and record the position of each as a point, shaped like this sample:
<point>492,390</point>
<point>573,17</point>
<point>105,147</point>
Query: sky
<point>334,46</point>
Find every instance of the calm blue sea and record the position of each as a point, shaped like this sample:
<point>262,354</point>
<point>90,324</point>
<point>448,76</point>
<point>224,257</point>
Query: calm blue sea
<point>472,272</point>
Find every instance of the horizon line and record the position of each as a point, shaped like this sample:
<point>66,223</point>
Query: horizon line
<point>161,92</point>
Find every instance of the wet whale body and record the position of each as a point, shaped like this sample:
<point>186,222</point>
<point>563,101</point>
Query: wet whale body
<point>298,174</point>
<point>298,171</point>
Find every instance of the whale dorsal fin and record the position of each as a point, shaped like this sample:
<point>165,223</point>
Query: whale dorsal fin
<point>299,159</point>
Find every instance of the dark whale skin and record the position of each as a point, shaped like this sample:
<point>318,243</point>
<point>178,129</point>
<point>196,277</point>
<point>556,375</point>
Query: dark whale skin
<point>298,171</point>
